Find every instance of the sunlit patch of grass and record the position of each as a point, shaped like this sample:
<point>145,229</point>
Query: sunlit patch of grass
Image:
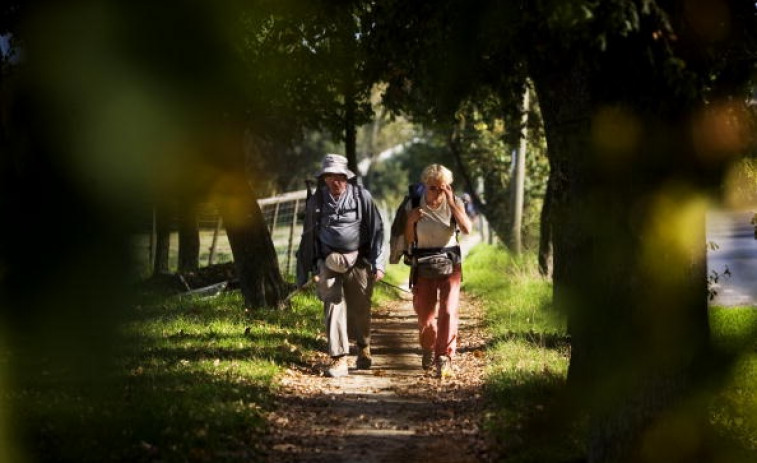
<point>528,357</point>
<point>529,360</point>
<point>219,327</point>
<point>192,382</point>
<point>734,408</point>
<point>523,388</point>
<point>396,276</point>
<point>518,299</point>
<point>735,328</point>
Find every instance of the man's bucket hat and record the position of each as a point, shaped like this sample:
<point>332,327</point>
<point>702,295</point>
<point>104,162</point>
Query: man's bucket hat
<point>335,164</point>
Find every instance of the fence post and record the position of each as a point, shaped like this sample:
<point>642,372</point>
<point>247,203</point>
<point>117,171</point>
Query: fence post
<point>153,239</point>
<point>291,237</point>
<point>214,243</point>
<point>275,217</point>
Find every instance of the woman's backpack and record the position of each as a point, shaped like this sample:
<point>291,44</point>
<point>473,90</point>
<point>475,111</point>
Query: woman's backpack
<point>398,247</point>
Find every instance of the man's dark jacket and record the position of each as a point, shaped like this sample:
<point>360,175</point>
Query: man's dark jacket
<point>371,234</point>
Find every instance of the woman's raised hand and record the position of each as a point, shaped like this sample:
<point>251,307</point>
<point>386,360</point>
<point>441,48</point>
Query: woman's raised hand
<point>448,192</point>
<point>415,215</point>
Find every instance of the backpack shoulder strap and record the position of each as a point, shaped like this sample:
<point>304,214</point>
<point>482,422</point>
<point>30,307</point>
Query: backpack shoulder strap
<point>357,192</point>
<point>415,191</point>
<point>453,221</point>
<point>400,217</point>
<point>318,198</point>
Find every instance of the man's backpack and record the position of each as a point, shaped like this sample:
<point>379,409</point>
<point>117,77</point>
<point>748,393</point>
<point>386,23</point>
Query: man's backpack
<point>357,192</point>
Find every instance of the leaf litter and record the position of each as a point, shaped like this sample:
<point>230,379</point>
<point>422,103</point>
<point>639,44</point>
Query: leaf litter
<point>395,411</point>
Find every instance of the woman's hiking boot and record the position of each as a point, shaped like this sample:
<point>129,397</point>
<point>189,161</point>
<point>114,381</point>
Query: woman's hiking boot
<point>427,361</point>
<point>443,366</point>
<point>338,367</point>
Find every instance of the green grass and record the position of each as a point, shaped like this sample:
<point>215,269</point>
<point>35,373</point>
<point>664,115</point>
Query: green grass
<point>191,383</point>
<point>734,408</point>
<point>529,359</point>
<point>518,300</point>
<point>193,378</point>
<point>396,275</point>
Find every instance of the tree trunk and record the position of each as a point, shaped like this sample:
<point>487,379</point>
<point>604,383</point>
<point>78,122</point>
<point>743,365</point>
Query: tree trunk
<point>634,291</point>
<point>189,237</point>
<point>517,182</point>
<point>255,258</point>
<point>162,240</point>
<point>545,234</point>
<point>350,136</point>
<point>214,243</point>
<point>497,202</point>
<point>566,123</point>
<point>496,209</point>
<point>347,46</point>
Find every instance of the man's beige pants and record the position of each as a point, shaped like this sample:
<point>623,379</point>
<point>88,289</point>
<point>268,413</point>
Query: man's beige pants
<point>346,306</point>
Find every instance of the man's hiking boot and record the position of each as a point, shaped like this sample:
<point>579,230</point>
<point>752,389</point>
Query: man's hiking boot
<point>427,361</point>
<point>443,366</point>
<point>364,361</point>
<point>337,367</point>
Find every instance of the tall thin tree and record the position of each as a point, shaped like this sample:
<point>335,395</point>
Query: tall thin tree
<point>518,179</point>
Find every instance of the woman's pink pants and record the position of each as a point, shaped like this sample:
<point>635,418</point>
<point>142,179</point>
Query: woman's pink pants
<point>439,335</point>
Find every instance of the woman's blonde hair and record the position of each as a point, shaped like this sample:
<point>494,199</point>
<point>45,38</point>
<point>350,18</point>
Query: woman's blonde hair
<point>436,172</point>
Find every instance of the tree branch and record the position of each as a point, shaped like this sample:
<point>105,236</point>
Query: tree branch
<point>454,145</point>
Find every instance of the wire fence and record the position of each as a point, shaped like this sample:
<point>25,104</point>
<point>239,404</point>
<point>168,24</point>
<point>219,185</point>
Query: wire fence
<point>283,215</point>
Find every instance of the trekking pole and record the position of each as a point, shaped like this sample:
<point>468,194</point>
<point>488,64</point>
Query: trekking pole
<point>297,290</point>
<point>394,286</point>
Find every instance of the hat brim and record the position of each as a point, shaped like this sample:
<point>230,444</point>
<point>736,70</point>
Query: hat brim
<point>336,170</point>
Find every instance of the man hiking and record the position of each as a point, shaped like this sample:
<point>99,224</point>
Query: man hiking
<point>342,245</point>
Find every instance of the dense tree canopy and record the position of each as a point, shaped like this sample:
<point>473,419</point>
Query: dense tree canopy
<point>643,103</point>
<point>644,106</point>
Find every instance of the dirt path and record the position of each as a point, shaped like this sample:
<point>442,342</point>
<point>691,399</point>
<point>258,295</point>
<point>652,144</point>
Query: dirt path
<point>393,412</point>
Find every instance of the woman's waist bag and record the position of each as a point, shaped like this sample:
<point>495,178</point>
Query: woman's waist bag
<point>435,262</point>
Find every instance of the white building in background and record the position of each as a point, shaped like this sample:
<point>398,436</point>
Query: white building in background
<point>365,165</point>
